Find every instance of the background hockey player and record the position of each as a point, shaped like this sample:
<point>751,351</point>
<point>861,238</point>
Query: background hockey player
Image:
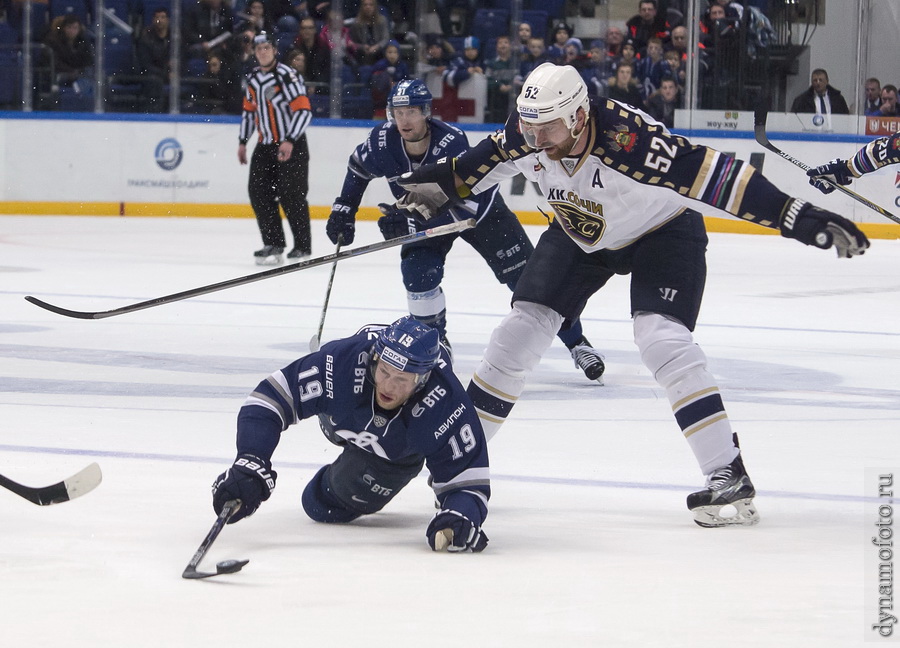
<point>388,396</point>
<point>615,180</point>
<point>276,105</point>
<point>409,138</point>
<point>874,155</point>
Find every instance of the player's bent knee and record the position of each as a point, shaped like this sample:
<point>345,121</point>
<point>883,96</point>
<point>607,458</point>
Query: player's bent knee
<point>320,503</point>
<point>522,338</point>
<point>667,347</point>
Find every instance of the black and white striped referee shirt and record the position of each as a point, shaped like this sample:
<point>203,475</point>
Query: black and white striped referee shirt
<point>276,105</point>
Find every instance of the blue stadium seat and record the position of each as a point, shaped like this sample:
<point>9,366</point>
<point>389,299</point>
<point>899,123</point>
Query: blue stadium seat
<point>553,8</point>
<point>118,53</point>
<point>490,23</point>
<point>539,21</point>
<point>456,42</point>
<point>63,7</point>
<point>9,79</point>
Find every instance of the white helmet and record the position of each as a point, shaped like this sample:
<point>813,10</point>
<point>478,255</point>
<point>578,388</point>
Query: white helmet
<point>552,92</point>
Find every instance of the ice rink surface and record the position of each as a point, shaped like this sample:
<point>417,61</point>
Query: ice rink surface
<point>591,543</point>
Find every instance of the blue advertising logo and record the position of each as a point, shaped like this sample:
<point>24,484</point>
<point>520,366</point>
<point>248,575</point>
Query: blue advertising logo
<point>169,154</point>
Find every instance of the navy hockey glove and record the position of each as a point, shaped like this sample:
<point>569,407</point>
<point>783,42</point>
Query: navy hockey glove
<point>836,172</point>
<point>454,532</point>
<point>341,223</point>
<point>398,221</point>
<point>813,226</point>
<point>434,185</point>
<point>250,480</point>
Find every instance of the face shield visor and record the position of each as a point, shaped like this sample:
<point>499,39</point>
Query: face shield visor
<point>544,135</point>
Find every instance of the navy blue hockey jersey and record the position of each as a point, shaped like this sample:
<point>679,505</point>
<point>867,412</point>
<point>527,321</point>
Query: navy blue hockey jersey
<point>383,155</point>
<point>438,422</point>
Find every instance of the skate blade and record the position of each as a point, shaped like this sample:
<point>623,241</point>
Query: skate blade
<point>711,517</point>
<point>268,261</point>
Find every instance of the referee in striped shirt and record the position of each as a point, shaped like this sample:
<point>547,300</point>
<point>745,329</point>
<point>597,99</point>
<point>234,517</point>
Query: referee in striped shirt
<point>276,105</point>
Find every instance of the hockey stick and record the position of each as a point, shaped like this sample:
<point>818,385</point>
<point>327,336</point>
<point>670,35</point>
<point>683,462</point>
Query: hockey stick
<point>226,566</point>
<point>75,486</point>
<point>316,340</point>
<point>759,130</point>
<point>441,230</point>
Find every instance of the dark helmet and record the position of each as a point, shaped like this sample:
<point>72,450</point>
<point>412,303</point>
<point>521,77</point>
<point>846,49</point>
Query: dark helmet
<point>408,345</point>
<point>263,37</point>
<point>411,92</point>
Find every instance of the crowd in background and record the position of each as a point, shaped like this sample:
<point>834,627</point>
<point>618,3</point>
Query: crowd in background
<point>642,63</point>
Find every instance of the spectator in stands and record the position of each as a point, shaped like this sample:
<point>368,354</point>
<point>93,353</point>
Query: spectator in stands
<point>500,71</point>
<point>733,10</point>
<point>560,35</point>
<point>596,76</point>
<point>462,67</point>
<point>820,97</point>
<point>351,56</point>
<point>673,66</point>
<point>650,68</point>
<point>872,100</point>
<point>370,31</point>
<point>206,27</point>
<point>438,53</point>
<point>615,38</point>
<point>623,87</point>
<point>318,54</point>
<point>72,52</point>
<point>524,32</point>
<point>649,22</point>
<point>536,55</point>
<point>678,43</point>
<point>888,106</point>
<point>573,54</point>
<point>296,59</point>
<point>661,104</point>
<point>245,59</point>
<point>627,57</point>
<point>443,9</point>
<point>154,50</point>
<point>386,72</point>
<point>254,18</point>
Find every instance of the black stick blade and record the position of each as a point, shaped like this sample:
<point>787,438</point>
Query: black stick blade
<point>64,311</point>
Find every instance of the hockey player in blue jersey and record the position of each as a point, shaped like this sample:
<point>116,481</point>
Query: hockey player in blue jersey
<point>871,157</point>
<point>409,138</point>
<point>388,396</point>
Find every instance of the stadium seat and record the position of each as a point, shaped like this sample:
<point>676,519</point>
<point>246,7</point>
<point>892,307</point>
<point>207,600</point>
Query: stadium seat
<point>490,23</point>
<point>76,7</point>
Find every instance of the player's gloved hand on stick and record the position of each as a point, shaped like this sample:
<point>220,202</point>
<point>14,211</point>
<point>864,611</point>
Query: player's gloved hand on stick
<point>835,172</point>
<point>813,226</point>
<point>250,479</point>
<point>398,221</point>
<point>341,223</point>
<point>434,185</point>
<point>454,532</point>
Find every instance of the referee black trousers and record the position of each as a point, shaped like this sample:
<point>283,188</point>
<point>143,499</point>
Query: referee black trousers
<point>285,183</point>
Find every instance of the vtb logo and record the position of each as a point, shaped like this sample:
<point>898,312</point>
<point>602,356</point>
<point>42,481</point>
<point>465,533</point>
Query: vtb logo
<point>668,294</point>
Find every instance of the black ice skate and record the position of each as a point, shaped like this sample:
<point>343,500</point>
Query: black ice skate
<point>589,360</point>
<point>298,254</point>
<point>268,255</point>
<point>727,488</point>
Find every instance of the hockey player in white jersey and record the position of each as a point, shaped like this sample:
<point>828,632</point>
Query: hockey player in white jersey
<point>617,181</point>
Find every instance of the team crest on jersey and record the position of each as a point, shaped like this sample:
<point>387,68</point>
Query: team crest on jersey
<point>621,138</point>
<point>379,420</point>
<point>581,225</point>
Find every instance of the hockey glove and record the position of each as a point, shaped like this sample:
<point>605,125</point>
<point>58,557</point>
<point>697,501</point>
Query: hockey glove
<point>434,185</point>
<point>250,480</point>
<point>813,226</point>
<point>398,221</point>
<point>341,223</point>
<point>836,172</point>
<point>454,532</point>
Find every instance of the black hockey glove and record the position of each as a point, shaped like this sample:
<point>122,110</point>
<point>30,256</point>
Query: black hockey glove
<point>398,221</point>
<point>341,223</point>
<point>813,226</point>
<point>434,185</point>
<point>454,532</point>
<point>836,172</point>
<point>250,480</point>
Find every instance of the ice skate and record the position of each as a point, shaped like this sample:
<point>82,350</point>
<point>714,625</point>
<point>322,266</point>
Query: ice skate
<point>589,360</point>
<point>727,499</point>
<point>297,254</point>
<point>268,255</point>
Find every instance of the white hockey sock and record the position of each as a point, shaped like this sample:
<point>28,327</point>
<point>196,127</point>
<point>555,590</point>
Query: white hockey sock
<point>426,305</point>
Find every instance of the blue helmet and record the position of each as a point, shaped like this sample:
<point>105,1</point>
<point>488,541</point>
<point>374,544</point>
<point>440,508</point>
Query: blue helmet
<point>408,345</point>
<point>411,92</point>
